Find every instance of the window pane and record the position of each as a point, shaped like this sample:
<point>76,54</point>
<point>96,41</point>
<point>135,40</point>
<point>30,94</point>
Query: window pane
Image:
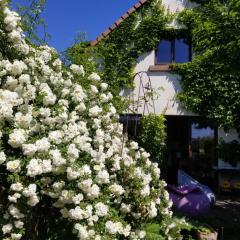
<point>164,52</point>
<point>131,125</point>
<point>181,51</point>
<point>202,152</point>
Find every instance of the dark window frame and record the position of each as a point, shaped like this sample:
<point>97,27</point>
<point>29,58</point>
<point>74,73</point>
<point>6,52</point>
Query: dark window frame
<point>172,51</point>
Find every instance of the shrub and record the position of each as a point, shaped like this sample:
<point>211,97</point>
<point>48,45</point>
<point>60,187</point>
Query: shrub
<point>153,136</point>
<point>62,148</point>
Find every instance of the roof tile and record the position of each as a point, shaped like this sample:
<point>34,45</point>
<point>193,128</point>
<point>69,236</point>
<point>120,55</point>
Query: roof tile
<point>113,27</point>
<point>125,15</point>
<point>118,22</point>
<point>137,5</point>
<point>131,10</point>
<point>106,32</point>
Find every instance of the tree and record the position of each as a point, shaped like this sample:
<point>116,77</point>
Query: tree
<point>32,21</point>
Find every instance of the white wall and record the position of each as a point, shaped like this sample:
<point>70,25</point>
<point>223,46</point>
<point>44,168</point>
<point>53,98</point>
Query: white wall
<point>228,136</point>
<point>165,85</point>
<point>174,6</point>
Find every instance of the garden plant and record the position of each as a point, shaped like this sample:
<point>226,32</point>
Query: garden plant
<point>62,149</point>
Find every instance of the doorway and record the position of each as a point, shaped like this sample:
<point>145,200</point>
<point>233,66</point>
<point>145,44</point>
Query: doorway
<point>191,146</point>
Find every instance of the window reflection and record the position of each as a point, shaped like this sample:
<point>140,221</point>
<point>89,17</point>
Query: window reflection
<point>164,51</point>
<point>199,131</point>
<point>202,151</point>
<point>181,51</point>
<point>202,142</point>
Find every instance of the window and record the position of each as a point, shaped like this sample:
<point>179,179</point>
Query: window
<point>191,146</point>
<point>176,50</point>
<point>131,125</point>
<point>182,51</point>
<point>164,51</point>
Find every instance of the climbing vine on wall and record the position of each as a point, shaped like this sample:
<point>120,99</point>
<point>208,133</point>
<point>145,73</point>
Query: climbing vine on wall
<point>211,82</point>
<point>137,34</point>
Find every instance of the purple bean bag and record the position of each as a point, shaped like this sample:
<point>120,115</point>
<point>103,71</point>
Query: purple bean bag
<point>186,180</point>
<point>189,200</point>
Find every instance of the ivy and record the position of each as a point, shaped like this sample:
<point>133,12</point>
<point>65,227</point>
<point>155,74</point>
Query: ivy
<point>116,56</point>
<point>152,137</point>
<point>119,51</point>
<point>211,82</point>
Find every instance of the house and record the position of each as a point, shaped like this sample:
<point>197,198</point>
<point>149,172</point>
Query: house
<point>191,139</point>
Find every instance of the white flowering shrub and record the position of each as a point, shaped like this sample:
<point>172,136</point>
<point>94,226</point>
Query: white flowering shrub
<point>63,142</point>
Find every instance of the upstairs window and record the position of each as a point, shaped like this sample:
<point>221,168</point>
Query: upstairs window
<point>173,51</point>
<point>164,52</point>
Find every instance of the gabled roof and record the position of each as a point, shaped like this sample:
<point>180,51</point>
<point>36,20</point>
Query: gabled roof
<point>119,21</point>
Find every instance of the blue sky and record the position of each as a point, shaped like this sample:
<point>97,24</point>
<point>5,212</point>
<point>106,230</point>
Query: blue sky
<point>65,18</point>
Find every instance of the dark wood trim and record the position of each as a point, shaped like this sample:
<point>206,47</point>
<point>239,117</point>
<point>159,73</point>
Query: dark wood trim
<point>173,50</point>
<point>190,49</point>
<point>189,123</point>
<point>216,145</point>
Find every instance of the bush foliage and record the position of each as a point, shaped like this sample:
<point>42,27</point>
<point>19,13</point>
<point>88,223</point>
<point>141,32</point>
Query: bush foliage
<point>153,137</point>
<point>64,165</point>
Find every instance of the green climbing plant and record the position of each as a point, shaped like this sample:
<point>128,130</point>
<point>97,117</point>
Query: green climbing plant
<point>211,82</point>
<point>116,55</point>
<point>153,136</point>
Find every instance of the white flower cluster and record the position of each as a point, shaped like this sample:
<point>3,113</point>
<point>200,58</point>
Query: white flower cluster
<point>14,32</point>
<point>64,141</point>
<point>117,228</point>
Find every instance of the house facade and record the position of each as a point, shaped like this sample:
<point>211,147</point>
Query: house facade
<point>191,139</point>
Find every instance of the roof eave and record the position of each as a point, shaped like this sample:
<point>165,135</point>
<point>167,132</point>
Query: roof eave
<point>118,22</point>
